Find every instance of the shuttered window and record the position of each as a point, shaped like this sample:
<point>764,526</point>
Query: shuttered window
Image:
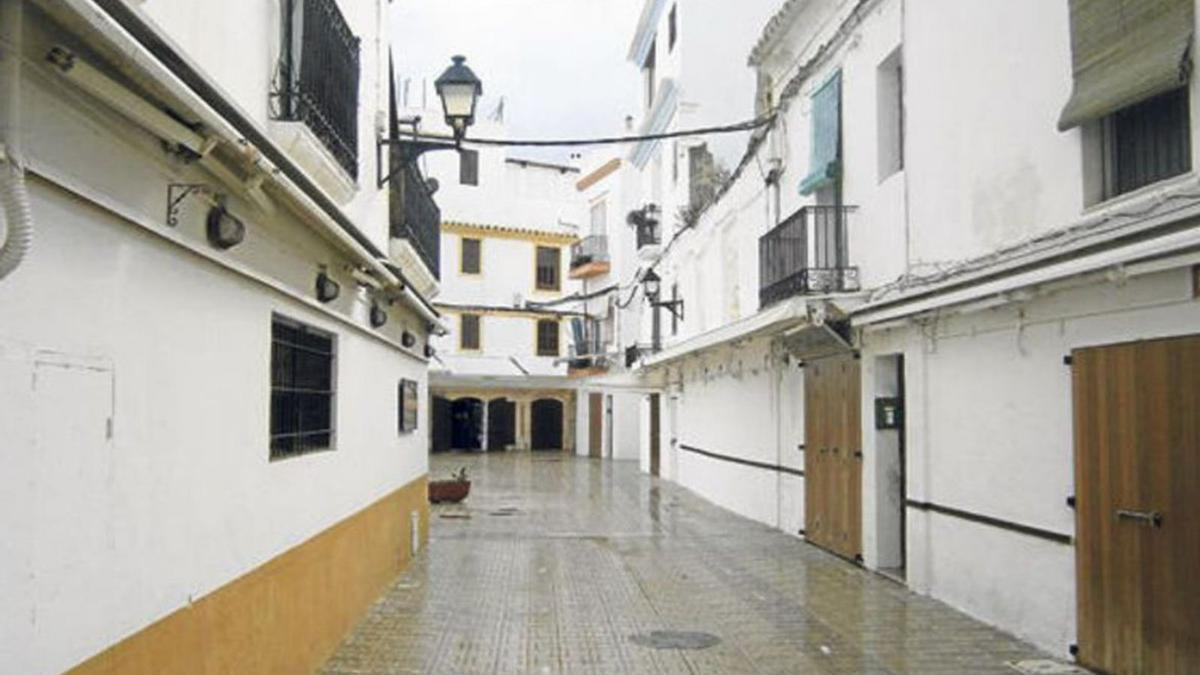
<point>1147,142</point>
<point>547,337</point>
<point>468,332</point>
<point>468,167</point>
<point>548,263</point>
<point>824,165</point>
<point>470,263</point>
<point>1123,52</point>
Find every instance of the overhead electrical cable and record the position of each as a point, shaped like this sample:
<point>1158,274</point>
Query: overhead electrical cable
<point>748,125</point>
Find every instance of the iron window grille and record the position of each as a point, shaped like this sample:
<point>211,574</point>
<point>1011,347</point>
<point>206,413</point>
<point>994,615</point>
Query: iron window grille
<point>302,389</point>
<point>547,337</point>
<point>549,263</point>
<point>468,325</point>
<point>318,76</point>
<point>1147,142</point>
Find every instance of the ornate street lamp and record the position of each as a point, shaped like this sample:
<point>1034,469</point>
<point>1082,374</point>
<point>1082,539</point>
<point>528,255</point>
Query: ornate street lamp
<point>652,287</point>
<point>459,89</point>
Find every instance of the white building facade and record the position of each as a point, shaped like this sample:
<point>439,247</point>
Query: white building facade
<point>500,377</point>
<point>921,309</point>
<point>210,367</point>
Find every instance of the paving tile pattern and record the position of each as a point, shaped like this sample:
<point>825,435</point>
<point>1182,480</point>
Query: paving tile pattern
<point>554,564</point>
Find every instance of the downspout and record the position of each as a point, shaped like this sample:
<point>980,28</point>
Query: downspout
<point>14,195</point>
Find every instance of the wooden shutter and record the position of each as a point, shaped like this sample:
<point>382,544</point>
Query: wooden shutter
<point>468,167</point>
<point>468,331</point>
<point>826,135</point>
<point>470,256</point>
<point>1125,51</point>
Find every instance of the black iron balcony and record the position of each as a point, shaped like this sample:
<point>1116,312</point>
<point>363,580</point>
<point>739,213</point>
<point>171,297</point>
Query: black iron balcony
<point>589,257</point>
<point>806,254</point>
<point>317,81</point>
<point>414,215</point>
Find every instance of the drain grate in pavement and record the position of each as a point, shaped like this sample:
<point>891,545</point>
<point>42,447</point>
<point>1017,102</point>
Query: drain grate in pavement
<point>505,511</point>
<point>675,639</point>
<point>456,516</point>
<point>1046,667</point>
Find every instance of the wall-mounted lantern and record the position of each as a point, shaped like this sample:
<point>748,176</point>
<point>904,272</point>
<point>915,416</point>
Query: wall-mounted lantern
<point>459,89</point>
<point>652,286</point>
<point>327,289</point>
<point>408,340</point>
<point>378,316</point>
<point>429,351</point>
<point>224,230</point>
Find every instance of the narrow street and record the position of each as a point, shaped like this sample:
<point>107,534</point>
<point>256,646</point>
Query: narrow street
<point>557,564</point>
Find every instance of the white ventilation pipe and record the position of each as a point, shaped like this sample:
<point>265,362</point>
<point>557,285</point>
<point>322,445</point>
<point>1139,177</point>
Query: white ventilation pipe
<point>14,195</point>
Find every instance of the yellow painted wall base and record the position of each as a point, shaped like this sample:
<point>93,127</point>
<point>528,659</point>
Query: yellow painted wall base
<point>288,615</point>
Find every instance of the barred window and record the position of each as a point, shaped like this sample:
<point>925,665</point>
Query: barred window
<point>1147,142</point>
<point>302,389</point>
<point>549,260</point>
<point>470,256</point>
<point>547,337</point>
<point>468,333</point>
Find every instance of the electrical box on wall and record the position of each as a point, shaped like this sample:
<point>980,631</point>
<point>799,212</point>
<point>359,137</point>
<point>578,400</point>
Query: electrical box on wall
<point>889,413</point>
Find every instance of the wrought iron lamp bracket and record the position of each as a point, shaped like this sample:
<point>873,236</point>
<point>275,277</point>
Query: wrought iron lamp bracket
<point>675,307</point>
<point>409,152</point>
<point>177,192</point>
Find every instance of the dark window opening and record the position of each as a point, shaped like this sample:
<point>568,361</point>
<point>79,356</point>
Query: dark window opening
<point>468,167</point>
<point>318,76</point>
<point>672,30</point>
<point>468,337</point>
<point>648,68</point>
<point>547,337</point>
<point>1147,142</point>
<point>470,256</point>
<point>302,389</point>
<point>549,261</point>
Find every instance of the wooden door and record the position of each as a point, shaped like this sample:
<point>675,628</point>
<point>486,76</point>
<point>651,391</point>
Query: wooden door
<point>595,425</point>
<point>655,435</point>
<point>502,424</point>
<point>833,455</point>
<point>442,426</point>
<point>1137,481</point>
<point>546,416</point>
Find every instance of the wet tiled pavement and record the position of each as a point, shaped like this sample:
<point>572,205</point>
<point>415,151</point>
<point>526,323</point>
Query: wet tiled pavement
<point>563,565</point>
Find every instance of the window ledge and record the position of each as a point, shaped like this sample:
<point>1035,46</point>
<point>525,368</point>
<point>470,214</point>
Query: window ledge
<point>303,146</point>
<point>1147,193</point>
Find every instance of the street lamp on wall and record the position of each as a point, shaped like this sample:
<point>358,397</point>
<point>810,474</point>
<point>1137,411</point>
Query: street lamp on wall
<point>459,89</point>
<point>652,287</point>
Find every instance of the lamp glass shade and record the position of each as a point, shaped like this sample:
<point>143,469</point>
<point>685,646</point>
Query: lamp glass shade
<point>459,90</point>
<point>652,284</point>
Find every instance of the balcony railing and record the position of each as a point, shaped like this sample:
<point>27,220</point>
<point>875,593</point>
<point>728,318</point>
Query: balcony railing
<point>588,344</point>
<point>589,249</point>
<point>807,253</point>
<point>317,82</point>
<point>414,215</point>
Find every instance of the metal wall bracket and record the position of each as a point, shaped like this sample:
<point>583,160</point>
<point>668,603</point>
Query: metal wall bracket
<point>410,150</point>
<point>177,192</point>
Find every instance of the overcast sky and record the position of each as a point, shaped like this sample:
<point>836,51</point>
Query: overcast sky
<point>559,64</point>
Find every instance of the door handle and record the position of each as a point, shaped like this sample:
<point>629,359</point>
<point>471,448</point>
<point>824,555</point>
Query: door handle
<point>1151,518</point>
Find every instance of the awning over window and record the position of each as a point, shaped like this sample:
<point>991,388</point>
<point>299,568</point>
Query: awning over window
<point>826,136</point>
<point>1125,51</point>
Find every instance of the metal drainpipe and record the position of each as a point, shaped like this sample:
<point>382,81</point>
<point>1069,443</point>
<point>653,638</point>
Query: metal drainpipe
<point>14,195</point>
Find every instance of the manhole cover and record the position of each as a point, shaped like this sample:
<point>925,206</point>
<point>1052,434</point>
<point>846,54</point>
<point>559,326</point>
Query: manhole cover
<point>675,639</point>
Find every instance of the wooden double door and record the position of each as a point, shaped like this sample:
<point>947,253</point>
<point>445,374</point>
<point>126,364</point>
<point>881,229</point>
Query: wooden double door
<point>1137,481</point>
<point>833,454</point>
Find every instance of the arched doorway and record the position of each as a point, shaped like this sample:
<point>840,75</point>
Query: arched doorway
<point>467,430</point>
<point>441,425</point>
<point>502,424</point>
<point>547,422</point>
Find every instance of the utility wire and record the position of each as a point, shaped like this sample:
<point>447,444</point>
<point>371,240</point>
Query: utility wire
<point>748,125</point>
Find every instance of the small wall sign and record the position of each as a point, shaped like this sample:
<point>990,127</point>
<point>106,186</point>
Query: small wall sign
<point>408,406</point>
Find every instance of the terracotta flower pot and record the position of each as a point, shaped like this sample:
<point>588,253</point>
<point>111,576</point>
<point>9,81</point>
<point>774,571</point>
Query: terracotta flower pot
<point>453,491</point>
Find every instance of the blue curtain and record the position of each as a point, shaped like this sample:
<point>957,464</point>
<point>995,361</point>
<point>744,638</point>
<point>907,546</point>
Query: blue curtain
<point>824,166</point>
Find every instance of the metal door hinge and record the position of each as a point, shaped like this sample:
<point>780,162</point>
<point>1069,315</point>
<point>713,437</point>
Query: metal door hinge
<point>1071,501</point>
<point>1151,518</point>
<point>1068,360</point>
